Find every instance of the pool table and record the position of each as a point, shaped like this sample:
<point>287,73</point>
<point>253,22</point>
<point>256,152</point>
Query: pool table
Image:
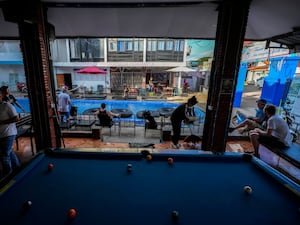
<point>202,188</point>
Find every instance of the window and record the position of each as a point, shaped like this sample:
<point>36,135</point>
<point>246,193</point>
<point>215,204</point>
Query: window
<point>169,45</point>
<point>75,48</point>
<point>161,45</point>
<point>86,49</point>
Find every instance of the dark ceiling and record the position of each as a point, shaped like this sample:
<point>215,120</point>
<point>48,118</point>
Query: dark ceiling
<point>274,20</point>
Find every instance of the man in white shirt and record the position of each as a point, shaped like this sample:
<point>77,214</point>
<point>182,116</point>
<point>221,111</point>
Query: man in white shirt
<point>8,132</point>
<point>277,134</point>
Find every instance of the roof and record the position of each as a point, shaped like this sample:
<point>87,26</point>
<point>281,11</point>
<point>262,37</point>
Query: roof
<point>274,20</point>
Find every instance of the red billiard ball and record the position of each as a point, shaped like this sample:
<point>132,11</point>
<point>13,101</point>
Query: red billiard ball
<point>50,166</point>
<point>72,213</point>
<point>170,160</point>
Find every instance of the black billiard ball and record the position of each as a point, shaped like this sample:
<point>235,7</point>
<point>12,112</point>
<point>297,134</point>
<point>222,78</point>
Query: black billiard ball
<point>175,215</point>
<point>145,153</point>
<point>129,167</point>
<point>27,204</point>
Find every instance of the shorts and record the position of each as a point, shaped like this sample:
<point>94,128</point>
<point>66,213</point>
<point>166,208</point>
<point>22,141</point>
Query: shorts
<point>271,141</point>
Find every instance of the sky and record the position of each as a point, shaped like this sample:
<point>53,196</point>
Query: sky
<point>199,49</point>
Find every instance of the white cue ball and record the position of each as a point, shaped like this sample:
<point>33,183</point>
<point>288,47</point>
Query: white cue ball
<point>248,189</point>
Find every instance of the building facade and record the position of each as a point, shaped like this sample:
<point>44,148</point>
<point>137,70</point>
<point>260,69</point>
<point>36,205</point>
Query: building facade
<point>127,61</point>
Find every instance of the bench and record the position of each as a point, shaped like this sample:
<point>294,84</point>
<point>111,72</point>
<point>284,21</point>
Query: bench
<point>24,129</point>
<point>286,161</point>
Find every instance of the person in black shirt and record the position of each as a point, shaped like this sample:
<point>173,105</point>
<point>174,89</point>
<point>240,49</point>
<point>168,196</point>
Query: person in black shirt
<point>185,112</point>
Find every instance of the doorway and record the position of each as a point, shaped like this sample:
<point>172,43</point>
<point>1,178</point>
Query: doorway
<point>64,80</point>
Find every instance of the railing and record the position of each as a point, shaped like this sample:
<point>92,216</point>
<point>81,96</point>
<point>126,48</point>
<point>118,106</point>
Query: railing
<point>24,128</point>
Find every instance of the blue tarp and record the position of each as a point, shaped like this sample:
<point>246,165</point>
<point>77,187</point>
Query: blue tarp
<point>277,83</point>
<point>240,84</point>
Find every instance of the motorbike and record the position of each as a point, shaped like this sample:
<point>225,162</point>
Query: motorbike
<point>21,86</point>
<point>290,120</point>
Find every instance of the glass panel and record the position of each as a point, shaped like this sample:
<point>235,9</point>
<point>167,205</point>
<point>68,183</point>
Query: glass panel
<point>169,45</point>
<point>161,45</point>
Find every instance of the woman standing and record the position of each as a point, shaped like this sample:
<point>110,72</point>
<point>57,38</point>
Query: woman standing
<point>185,112</point>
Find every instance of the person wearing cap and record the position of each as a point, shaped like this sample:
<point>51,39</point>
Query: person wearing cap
<point>253,122</point>
<point>184,112</point>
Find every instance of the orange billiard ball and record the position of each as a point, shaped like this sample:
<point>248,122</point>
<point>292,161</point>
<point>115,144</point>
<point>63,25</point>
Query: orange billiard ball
<point>72,213</point>
<point>50,166</point>
<point>149,157</point>
<point>170,160</point>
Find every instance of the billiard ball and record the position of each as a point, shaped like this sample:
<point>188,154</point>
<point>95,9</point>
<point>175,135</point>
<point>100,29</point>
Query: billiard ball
<point>170,160</point>
<point>72,213</point>
<point>27,204</point>
<point>145,153</point>
<point>129,167</point>
<point>149,157</point>
<point>50,166</point>
<point>248,189</point>
<point>175,215</point>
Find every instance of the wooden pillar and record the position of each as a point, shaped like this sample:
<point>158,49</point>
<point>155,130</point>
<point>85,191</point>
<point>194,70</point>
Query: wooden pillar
<point>232,21</point>
<point>34,32</point>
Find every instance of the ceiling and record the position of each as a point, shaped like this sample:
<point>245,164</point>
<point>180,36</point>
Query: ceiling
<point>276,20</point>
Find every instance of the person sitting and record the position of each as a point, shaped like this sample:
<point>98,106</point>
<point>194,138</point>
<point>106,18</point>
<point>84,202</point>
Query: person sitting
<point>151,123</point>
<point>253,122</point>
<point>105,116</point>
<point>277,134</point>
<point>151,84</point>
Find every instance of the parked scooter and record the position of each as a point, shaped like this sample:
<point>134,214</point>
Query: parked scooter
<point>290,120</point>
<point>21,87</point>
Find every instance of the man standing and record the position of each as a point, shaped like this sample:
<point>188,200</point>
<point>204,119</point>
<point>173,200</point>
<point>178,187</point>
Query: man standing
<point>7,97</point>
<point>64,103</point>
<point>8,132</point>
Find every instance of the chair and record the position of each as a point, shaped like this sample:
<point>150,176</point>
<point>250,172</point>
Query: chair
<point>193,128</point>
<point>105,121</point>
<point>126,123</point>
<point>158,122</point>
